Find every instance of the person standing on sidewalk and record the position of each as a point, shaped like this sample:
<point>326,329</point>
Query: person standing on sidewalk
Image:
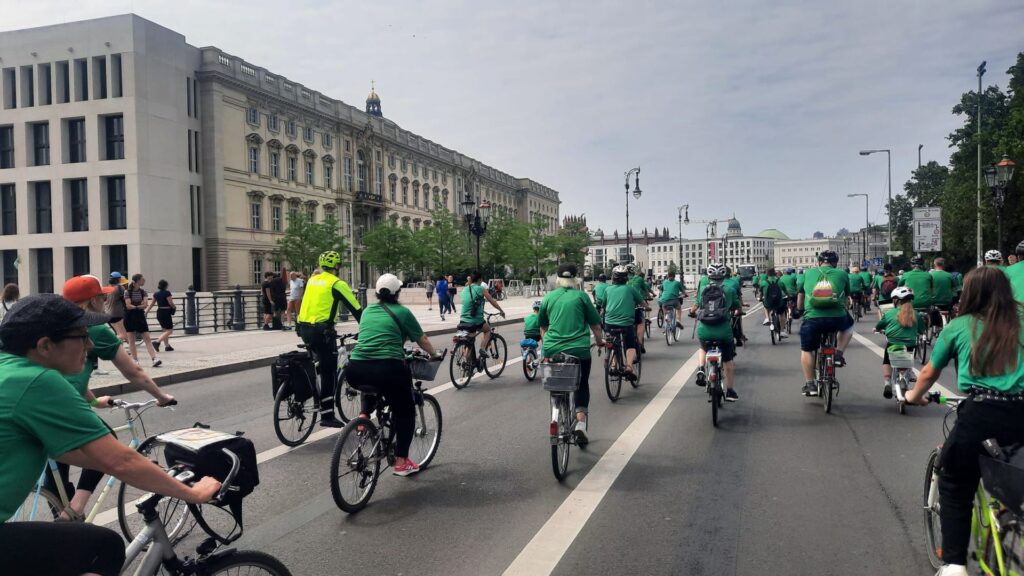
<point>115,304</point>
<point>452,291</point>
<point>279,290</point>
<point>442,295</point>
<point>10,296</point>
<point>430,293</point>
<point>137,304</point>
<point>296,286</point>
<point>165,309</point>
<point>325,293</point>
<point>267,299</point>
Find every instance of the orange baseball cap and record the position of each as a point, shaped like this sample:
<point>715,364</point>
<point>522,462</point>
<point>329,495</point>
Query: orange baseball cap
<point>81,288</point>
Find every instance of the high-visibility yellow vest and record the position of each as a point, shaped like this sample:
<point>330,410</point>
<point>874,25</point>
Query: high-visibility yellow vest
<point>318,302</point>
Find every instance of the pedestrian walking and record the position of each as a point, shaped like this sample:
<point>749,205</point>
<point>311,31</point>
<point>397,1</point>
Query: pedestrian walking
<point>115,304</point>
<point>10,296</point>
<point>165,310</point>
<point>137,304</point>
<point>430,293</point>
<point>296,288</point>
<point>452,290</point>
<point>442,295</point>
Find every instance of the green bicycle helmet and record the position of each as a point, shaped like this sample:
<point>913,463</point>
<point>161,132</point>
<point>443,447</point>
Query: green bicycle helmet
<point>330,259</point>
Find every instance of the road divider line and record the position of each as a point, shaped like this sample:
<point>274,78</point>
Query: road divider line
<point>543,553</point>
<point>881,354</point>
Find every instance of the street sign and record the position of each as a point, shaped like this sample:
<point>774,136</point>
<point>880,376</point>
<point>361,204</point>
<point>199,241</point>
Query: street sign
<point>878,261</point>
<point>927,229</point>
<point>894,253</point>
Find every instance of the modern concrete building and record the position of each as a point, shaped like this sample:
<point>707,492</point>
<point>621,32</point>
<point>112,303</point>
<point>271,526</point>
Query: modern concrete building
<point>122,147</point>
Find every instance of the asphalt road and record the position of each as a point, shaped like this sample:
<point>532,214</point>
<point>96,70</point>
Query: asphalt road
<point>779,487</point>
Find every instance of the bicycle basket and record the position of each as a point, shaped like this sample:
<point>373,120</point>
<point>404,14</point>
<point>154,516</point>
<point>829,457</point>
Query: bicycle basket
<point>423,369</point>
<point>556,377</point>
<point>900,358</point>
<point>1005,480</point>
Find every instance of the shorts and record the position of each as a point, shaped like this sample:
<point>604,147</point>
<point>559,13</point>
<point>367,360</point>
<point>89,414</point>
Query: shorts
<point>673,303</point>
<point>639,317</point>
<point>135,321</point>
<point>470,327</point>
<point>812,329</point>
<point>165,316</point>
<point>728,348</point>
<point>628,335</point>
<point>268,308</point>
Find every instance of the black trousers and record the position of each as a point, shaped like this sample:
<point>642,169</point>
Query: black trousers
<point>959,473</point>
<point>320,339</point>
<point>391,378</point>
<point>59,549</point>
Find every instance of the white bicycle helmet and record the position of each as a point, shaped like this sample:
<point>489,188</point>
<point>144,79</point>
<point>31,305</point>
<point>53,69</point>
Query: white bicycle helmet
<point>993,256</point>
<point>716,271</point>
<point>620,272</point>
<point>902,293</point>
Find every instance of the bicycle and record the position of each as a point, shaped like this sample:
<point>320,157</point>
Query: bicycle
<point>857,308</point>
<point>661,316</point>
<point>614,361</point>
<point>530,349</point>
<point>161,558</point>
<point>672,327</point>
<point>774,327</point>
<point>789,317</point>
<point>562,380</point>
<point>714,379</point>
<point>997,533</point>
<point>465,362</point>
<point>901,361</point>
<point>924,340</point>
<point>825,370</point>
<point>297,403</point>
<point>362,445</point>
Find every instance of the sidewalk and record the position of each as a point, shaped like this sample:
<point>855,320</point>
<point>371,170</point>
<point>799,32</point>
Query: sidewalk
<point>203,356</point>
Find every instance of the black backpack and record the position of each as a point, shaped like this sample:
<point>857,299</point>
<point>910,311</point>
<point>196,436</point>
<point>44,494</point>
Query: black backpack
<point>712,305</point>
<point>773,296</point>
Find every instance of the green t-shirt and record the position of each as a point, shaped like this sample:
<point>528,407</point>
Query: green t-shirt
<point>956,340</point>
<point>531,326</point>
<point>800,282</point>
<point>670,290</point>
<point>1016,275</point>
<point>897,333</point>
<point>105,345</point>
<point>865,278</point>
<point>702,282</point>
<point>567,315</point>
<point>470,294</point>
<point>640,284</point>
<point>733,282</point>
<point>921,283</point>
<point>789,284</point>
<point>379,335</point>
<point>619,303</point>
<point>41,416</point>
<point>840,283</point>
<point>943,287</point>
<point>759,280</point>
<point>599,289</point>
<point>856,283</point>
<point>723,331</point>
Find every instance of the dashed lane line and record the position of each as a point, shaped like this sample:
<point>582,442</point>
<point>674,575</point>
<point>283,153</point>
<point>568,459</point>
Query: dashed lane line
<point>881,353</point>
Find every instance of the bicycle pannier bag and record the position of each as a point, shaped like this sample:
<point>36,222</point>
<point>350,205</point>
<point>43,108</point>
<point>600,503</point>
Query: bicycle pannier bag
<point>712,305</point>
<point>296,371</point>
<point>200,450</point>
<point>825,294</point>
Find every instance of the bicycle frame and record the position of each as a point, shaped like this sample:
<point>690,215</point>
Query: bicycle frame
<point>985,530</point>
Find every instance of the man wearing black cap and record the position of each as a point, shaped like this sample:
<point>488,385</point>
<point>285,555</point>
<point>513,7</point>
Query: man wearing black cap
<point>43,339</point>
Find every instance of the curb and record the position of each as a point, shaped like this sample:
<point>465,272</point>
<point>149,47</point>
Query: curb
<point>229,368</point>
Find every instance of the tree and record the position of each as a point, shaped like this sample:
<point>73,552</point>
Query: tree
<point>539,247</point>
<point>388,247</point>
<point>570,244</point>
<point>443,243</point>
<point>503,245</point>
<point>672,268</point>
<point>304,241</point>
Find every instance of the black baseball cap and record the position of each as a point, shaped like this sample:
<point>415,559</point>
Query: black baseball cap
<point>567,271</point>
<point>41,315</point>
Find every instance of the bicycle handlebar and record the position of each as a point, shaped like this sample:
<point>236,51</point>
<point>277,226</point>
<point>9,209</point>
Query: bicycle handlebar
<point>138,406</point>
<point>225,485</point>
<point>938,398</point>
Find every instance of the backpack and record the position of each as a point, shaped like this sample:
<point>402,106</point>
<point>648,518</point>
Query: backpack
<point>713,309</point>
<point>889,283</point>
<point>825,295</point>
<point>773,297</point>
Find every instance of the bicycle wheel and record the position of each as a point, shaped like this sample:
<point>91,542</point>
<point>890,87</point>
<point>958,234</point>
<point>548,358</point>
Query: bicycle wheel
<point>716,391</point>
<point>530,365</point>
<point>773,322</point>
<point>244,562</point>
<point>462,365</point>
<point>930,501</point>
<point>346,399</point>
<point>922,348</point>
<point>828,384</point>
<point>1011,539</point>
<point>647,328</point>
<point>426,437</point>
<point>173,513</point>
<point>901,381</point>
<point>560,444</point>
<point>355,465</point>
<point>496,350</point>
<point>661,318</point>
<point>613,384</point>
<point>637,369</point>
<point>293,420</point>
<point>677,333</point>
<point>40,505</point>
<point>668,335</point>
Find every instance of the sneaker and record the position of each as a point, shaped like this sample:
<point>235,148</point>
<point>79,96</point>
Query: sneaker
<point>581,433</point>
<point>952,570</point>
<point>405,467</point>
<point>331,422</point>
<point>810,389</point>
<point>840,360</point>
<point>100,372</point>
<point>168,348</point>
<point>157,362</point>
<point>702,378</point>
<point>765,323</point>
<point>156,346</point>
<point>731,396</point>
<point>783,335</point>
<point>887,391</point>
<point>267,327</point>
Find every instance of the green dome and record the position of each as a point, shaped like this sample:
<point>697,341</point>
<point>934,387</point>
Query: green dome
<point>772,233</point>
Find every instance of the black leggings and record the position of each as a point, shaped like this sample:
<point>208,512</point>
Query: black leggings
<point>391,378</point>
<point>959,473</point>
<point>28,548</point>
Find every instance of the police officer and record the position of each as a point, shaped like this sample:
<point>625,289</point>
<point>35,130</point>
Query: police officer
<point>317,317</point>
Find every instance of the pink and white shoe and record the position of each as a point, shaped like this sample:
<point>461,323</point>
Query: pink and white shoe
<point>405,467</point>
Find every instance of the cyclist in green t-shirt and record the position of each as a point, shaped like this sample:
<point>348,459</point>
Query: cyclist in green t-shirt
<point>857,286</point>
<point>620,302</point>
<point>994,259</point>
<point>531,323</point>
<point>599,288</point>
<point>920,282</point>
<point>472,319</point>
<point>732,282</point>
<point>901,325</point>
<point>943,290</point>
<point>672,294</point>
<point>1015,273</point>
<point>823,315</point>
<point>636,280</point>
<point>866,278</point>
<point>717,331</point>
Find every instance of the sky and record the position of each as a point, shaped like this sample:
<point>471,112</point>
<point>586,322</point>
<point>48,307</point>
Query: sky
<point>736,106</point>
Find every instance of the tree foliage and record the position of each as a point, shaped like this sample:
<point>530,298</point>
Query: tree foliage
<point>389,248</point>
<point>304,241</point>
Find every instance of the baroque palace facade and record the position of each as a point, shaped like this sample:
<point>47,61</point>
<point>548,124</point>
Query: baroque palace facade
<point>124,148</point>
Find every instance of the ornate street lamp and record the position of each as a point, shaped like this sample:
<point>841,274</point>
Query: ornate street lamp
<point>998,177</point>
<point>476,221</point>
<point>636,194</point>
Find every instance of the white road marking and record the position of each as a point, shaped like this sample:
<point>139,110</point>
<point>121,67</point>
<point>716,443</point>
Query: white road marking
<point>881,353</point>
<point>542,554</point>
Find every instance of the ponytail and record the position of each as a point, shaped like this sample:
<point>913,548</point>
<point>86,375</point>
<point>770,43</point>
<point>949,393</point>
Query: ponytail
<point>907,316</point>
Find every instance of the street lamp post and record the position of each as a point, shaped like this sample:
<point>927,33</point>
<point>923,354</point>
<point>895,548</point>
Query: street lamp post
<point>998,177</point>
<point>710,231</point>
<point>888,161</point>
<point>636,194</point>
<point>683,208</point>
<point>865,222</point>
<point>981,72</point>
<point>476,221</point>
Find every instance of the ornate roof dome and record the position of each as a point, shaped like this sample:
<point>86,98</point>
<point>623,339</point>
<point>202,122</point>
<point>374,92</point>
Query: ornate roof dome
<point>773,233</point>
<point>373,97</point>
<point>734,224</point>
<point>373,102</point>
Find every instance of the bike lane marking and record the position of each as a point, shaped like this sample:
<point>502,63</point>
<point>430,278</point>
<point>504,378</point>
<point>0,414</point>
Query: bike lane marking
<point>543,553</point>
<point>870,345</point>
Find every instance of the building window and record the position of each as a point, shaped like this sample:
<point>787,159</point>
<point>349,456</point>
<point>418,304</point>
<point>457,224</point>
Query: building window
<point>348,145</point>
<point>44,208</point>
<point>292,160</point>
<point>114,128</point>
<point>41,144</point>
<point>328,175</point>
<point>361,171</point>
<point>117,256</point>
<point>117,204</point>
<point>391,161</point>
<point>272,122</point>
<point>253,116</point>
<point>394,191</point>
<point>293,212</point>
<point>76,140</point>
<point>311,213</point>
<point>8,210</point>
<point>79,260</point>
<point>275,217</point>
<point>405,193</point>
<point>444,179</point>
<point>405,165</point>
<point>328,140</point>
<point>415,170</point>
<point>290,128</point>
<point>378,183</point>
<point>44,270</point>
<point>416,196</point>
<point>6,146</point>
<point>78,200</point>
<point>257,270</point>
<point>275,164</point>
<point>254,160</point>
<point>256,214</point>
<point>348,173</point>
<point>307,134</point>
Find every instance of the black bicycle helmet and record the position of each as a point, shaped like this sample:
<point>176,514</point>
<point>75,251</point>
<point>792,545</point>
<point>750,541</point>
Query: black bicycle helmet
<point>917,261</point>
